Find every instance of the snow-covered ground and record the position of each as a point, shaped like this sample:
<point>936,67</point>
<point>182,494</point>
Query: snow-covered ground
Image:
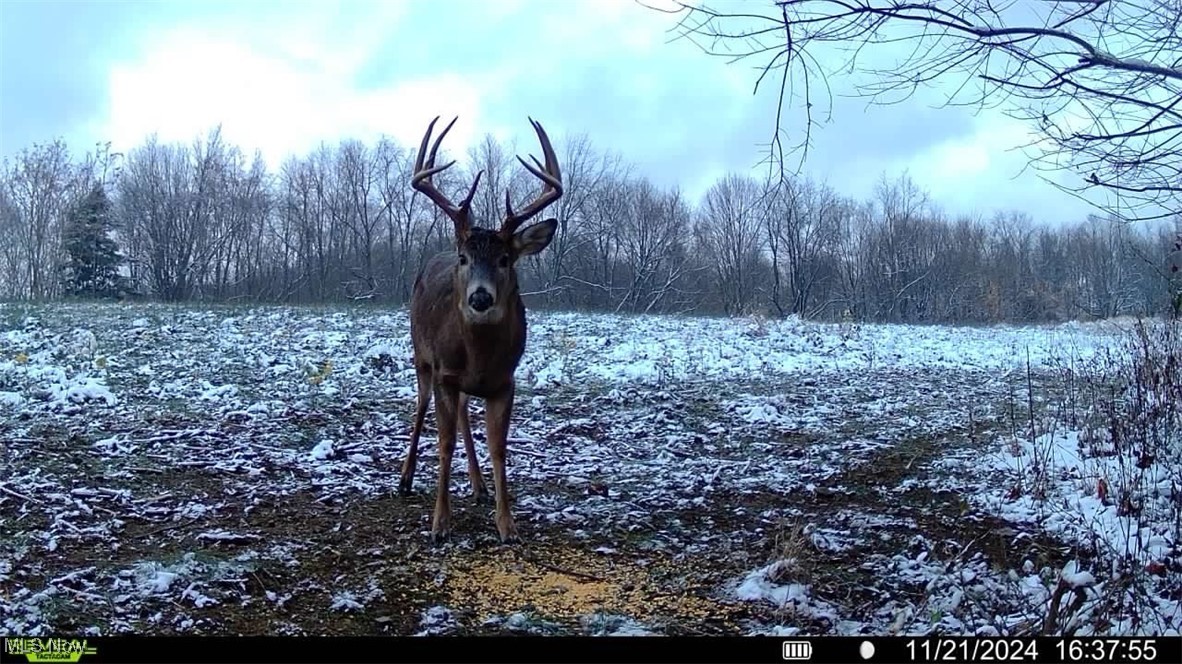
<point>234,470</point>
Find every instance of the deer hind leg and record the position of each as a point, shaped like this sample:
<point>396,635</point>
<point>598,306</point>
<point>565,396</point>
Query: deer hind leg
<point>446,400</point>
<point>479,490</point>
<point>497,413</point>
<point>423,378</point>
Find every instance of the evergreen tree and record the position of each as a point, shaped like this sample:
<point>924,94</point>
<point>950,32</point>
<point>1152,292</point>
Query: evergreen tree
<point>92,262</point>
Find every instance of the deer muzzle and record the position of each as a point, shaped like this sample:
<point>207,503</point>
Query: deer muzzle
<point>480,299</point>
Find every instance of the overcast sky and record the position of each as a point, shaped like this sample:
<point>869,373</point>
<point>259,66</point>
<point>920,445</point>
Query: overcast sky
<point>283,76</point>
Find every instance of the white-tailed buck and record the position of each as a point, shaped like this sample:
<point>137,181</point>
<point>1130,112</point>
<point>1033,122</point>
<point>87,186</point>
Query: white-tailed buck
<point>467,324</point>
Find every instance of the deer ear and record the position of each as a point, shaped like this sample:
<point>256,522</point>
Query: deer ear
<point>532,239</point>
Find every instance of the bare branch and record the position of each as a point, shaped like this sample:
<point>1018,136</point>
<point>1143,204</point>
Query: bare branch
<point>1100,80</point>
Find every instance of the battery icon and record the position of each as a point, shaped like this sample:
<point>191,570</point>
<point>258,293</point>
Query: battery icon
<point>797,650</point>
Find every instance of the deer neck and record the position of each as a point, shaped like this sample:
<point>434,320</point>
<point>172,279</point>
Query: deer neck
<point>495,342</point>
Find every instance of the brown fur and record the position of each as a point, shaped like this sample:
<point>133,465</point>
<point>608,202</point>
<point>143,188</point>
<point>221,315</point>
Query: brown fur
<point>460,351</point>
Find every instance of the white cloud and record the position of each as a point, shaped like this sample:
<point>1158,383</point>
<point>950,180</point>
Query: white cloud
<point>189,82</point>
<point>949,164</point>
<point>283,82</point>
<point>987,170</point>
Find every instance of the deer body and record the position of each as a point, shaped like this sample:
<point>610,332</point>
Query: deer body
<point>480,359</point>
<point>468,330</point>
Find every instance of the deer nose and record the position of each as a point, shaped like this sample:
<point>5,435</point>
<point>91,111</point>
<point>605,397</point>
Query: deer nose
<point>480,300</point>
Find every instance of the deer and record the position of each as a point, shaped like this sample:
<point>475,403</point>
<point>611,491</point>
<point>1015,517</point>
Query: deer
<point>468,329</point>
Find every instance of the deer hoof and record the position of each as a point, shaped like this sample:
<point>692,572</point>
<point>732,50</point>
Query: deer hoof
<point>441,527</point>
<point>507,531</point>
<point>405,487</point>
<point>482,497</point>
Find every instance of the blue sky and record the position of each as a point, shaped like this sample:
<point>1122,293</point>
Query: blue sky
<point>283,76</point>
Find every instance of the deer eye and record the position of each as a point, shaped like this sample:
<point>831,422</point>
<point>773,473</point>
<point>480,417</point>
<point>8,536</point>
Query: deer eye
<point>504,261</point>
<point>463,259</point>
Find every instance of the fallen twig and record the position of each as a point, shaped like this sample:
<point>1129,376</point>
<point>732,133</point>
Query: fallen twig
<point>196,464</point>
<point>82,593</point>
<point>184,524</point>
<point>20,495</point>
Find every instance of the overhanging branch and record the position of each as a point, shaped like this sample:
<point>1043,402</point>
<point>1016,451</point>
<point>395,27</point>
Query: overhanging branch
<point>1099,80</point>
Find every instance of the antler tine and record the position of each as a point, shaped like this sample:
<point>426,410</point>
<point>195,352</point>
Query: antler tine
<point>471,192</point>
<point>426,168</point>
<point>420,172</point>
<point>550,175</point>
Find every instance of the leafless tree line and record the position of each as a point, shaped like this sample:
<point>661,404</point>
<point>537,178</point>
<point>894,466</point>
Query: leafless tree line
<point>205,222</point>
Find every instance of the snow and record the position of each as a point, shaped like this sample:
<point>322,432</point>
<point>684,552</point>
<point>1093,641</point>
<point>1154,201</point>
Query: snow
<point>159,581</point>
<point>345,601</point>
<point>1073,577</point>
<point>659,348</point>
<point>81,389</point>
<point>608,624</point>
<point>436,620</point>
<point>691,440</point>
<point>11,399</point>
<point>322,450</point>
<point>1070,507</point>
<point>790,598</point>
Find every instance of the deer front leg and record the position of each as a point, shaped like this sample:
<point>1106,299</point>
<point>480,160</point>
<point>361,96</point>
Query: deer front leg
<point>406,482</point>
<point>465,423</point>
<point>497,412</point>
<point>446,400</point>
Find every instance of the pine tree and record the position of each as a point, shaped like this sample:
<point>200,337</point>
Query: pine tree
<point>92,262</point>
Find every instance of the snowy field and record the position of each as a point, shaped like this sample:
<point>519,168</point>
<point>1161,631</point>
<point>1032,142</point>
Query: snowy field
<point>234,471</point>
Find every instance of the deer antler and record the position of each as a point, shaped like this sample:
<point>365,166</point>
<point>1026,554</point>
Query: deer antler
<point>548,174</point>
<point>421,180</point>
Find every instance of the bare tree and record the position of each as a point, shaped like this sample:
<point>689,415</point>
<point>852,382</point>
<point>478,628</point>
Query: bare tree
<point>1100,80</point>
<point>394,168</point>
<point>1108,287</point>
<point>730,231</point>
<point>13,282</point>
<point>41,185</point>
<point>645,232</point>
<point>1012,277</point>
<point>900,248</point>
<point>584,171</point>
<point>595,274</point>
<point>240,268</point>
<point>291,227</point>
<point>321,251</point>
<point>185,213</point>
<point>496,167</point>
<point>803,222</point>
<point>154,202</point>
<point>962,273</point>
<point>360,214</point>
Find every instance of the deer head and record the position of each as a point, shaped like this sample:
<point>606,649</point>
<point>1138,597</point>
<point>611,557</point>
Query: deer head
<point>485,273</point>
